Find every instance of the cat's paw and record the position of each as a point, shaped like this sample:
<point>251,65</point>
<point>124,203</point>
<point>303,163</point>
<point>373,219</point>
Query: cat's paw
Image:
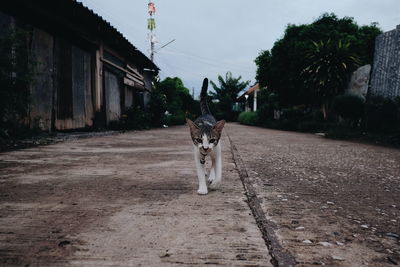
<point>215,183</point>
<point>202,191</point>
<point>210,179</point>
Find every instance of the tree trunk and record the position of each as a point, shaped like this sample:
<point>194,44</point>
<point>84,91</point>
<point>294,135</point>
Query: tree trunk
<point>324,111</point>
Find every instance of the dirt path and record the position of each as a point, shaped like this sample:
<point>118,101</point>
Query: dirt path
<point>122,200</point>
<point>333,203</point>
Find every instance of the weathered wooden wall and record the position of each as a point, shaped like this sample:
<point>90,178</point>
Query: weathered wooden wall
<point>146,100</point>
<point>147,78</point>
<point>80,77</point>
<point>112,92</point>
<point>81,88</point>
<point>90,101</point>
<point>129,94</point>
<point>385,78</point>
<point>74,87</point>
<point>42,89</point>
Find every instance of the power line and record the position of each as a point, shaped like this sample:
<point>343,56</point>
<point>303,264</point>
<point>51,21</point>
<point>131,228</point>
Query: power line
<point>166,44</point>
<point>127,29</point>
<point>209,62</point>
<point>188,66</point>
<point>204,58</point>
<point>176,70</point>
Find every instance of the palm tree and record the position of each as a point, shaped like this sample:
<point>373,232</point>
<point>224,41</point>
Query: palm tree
<point>227,92</point>
<point>328,69</point>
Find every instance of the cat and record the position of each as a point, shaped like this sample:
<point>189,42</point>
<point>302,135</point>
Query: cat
<point>205,132</point>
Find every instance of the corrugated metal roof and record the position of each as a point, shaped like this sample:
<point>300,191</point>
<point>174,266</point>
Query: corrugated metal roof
<point>80,18</point>
<point>114,29</point>
<point>250,90</point>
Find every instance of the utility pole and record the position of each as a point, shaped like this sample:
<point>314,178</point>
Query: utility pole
<point>151,25</point>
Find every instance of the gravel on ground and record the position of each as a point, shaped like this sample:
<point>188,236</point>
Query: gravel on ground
<point>333,202</point>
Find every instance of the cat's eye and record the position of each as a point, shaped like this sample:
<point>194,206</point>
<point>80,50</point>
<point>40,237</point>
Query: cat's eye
<point>198,140</point>
<point>212,140</point>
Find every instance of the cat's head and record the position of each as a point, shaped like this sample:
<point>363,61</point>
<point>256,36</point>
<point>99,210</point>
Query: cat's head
<point>204,136</point>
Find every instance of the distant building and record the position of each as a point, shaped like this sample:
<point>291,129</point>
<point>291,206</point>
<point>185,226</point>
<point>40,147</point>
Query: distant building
<point>385,78</point>
<point>86,71</point>
<point>250,95</point>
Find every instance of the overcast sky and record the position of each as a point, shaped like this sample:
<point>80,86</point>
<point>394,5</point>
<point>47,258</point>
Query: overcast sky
<point>216,36</point>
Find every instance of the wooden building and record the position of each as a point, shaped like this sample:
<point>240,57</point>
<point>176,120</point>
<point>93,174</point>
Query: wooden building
<point>86,71</point>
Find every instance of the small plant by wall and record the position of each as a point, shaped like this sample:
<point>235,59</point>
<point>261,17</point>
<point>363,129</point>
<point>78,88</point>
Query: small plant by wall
<point>16,75</point>
<point>248,118</point>
<point>350,107</point>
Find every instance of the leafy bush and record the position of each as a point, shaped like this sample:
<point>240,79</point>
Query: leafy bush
<point>350,107</point>
<point>293,114</point>
<point>13,130</point>
<point>310,126</point>
<point>194,111</point>
<point>177,100</point>
<point>271,123</point>
<point>175,119</point>
<point>268,103</point>
<point>288,125</point>
<point>134,118</point>
<point>157,107</point>
<point>343,132</point>
<point>16,74</point>
<point>248,118</point>
<point>382,115</point>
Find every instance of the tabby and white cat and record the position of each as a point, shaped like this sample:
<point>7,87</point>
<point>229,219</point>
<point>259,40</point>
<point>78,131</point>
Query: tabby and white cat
<point>206,132</point>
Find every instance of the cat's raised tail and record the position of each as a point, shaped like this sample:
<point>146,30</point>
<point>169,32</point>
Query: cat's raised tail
<point>203,98</point>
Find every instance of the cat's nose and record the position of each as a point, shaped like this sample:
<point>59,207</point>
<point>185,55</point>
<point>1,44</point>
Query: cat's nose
<point>206,148</point>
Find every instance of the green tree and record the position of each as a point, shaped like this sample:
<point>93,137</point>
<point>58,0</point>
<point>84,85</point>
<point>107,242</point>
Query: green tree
<point>280,69</point>
<point>226,94</point>
<point>179,102</point>
<point>263,62</point>
<point>174,91</point>
<point>268,103</point>
<point>329,65</point>
<point>365,43</point>
<point>158,106</point>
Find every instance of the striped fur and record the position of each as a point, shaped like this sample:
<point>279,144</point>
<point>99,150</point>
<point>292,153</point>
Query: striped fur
<point>206,133</point>
<point>203,98</point>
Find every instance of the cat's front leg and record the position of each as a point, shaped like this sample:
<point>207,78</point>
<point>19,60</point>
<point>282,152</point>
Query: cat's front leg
<point>216,168</point>
<point>211,177</point>
<point>200,173</point>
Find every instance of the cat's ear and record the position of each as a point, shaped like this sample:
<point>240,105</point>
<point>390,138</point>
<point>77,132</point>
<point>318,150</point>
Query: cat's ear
<point>193,127</point>
<point>219,126</point>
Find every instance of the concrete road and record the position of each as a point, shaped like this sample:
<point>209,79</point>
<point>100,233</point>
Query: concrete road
<point>130,200</point>
<point>334,203</point>
<point>123,200</point>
